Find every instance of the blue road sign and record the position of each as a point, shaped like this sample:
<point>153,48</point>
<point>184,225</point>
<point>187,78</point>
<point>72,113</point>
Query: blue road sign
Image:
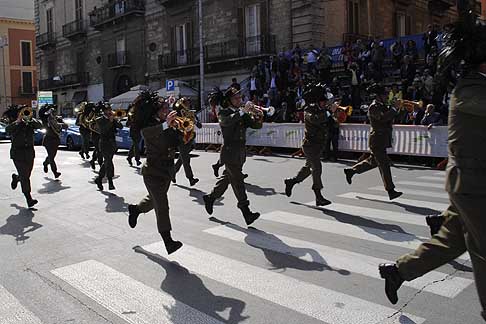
<point>170,85</point>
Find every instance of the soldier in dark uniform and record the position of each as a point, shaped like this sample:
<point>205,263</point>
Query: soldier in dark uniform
<point>51,139</point>
<point>234,123</point>
<point>161,141</point>
<point>84,131</point>
<point>464,222</point>
<point>381,119</point>
<point>95,137</point>
<point>108,126</point>
<point>136,137</point>
<point>184,159</point>
<point>21,129</point>
<point>317,120</point>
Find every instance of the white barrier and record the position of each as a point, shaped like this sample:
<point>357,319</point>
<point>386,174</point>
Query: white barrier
<point>407,140</point>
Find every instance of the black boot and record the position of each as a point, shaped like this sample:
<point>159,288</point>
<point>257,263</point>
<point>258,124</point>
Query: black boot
<point>87,155</point>
<point>138,162</point>
<point>170,245</point>
<point>216,170</point>
<point>92,164</point>
<point>289,184</point>
<point>81,153</point>
<point>46,169</point>
<point>111,186</point>
<point>57,175</point>
<point>320,200</point>
<point>393,281</point>
<point>133,213</point>
<point>130,163</point>
<point>99,183</point>
<point>193,181</point>
<point>393,194</point>
<point>435,223</point>
<point>248,215</point>
<point>15,181</point>
<point>30,202</point>
<point>349,175</point>
<point>174,180</point>
<point>208,204</point>
<point>245,175</point>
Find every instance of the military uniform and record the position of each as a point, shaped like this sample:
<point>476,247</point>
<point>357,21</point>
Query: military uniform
<point>136,137</point>
<point>97,156</point>
<point>381,119</point>
<point>107,144</point>
<point>234,124</point>
<point>51,142</point>
<point>22,153</point>
<point>464,226</point>
<point>85,138</point>
<point>158,170</point>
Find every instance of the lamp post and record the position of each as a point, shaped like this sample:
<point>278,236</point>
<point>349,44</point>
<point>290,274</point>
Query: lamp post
<point>201,56</point>
<point>3,44</point>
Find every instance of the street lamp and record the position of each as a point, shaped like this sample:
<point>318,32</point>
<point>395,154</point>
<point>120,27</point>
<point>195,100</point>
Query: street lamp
<point>3,44</point>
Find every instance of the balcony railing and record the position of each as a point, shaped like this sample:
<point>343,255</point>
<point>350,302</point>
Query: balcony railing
<point>115,10</point>
<point>27,92</point>
<point>46,40</point>
<point>118,59</point>
<point>231,49</point>
<point>81,78</point>
<point>74,28</point>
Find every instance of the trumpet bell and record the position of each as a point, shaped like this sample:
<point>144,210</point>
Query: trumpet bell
<point>270,111</point>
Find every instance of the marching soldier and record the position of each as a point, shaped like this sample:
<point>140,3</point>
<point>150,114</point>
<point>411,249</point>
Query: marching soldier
<point>95,137</point>
<point>317,122</point>
<point>381,119</point>
<point>51,138</point>
<point>108,126</point>
<point>234,122</point>
<point>161,141</point>
<point>84,130</point>
<point>21,129</point>
<point>136,137</point>
<point>183,107</point>
<point>464,222</point>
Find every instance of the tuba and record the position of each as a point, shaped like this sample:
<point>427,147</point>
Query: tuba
<point>186,121</point>
<point>26,113</point>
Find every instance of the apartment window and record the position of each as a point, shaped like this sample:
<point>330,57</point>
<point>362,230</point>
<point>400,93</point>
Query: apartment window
<point>181,43</point>
<point>49,21</point>
<point>402,24</point>
<point>25,47</point>
<point>27,82</point>
<point>253,29</point>
<point>121,51</point>
<point>353,16</point>
<point>78,9</point>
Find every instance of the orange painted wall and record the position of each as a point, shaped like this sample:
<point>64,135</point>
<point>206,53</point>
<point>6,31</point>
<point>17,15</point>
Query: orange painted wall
<point>14,38</point>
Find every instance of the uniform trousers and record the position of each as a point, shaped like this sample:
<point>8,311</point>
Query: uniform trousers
<point>24,170</point>
<point>107,168</point>
<point>97,156</point>
<point>232,175</point>
<point>157,188</point>
<point>378,158</point>
<point>135,148</point>
<point>85,138</point>
<point>313,166</point>
<point>463,230</point>
<point>185,160</point>
<point>51,145</point>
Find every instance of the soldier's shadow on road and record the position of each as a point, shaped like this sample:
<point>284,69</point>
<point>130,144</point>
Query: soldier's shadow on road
<point>280,255</point>
<point>370,226</point>
<point>259,191</point>
<point>198,195</point>
<point>413,209</point>
<point>52,186</point>
<point>20,224</point>
<point>188,288</point>
<point>114,203</point>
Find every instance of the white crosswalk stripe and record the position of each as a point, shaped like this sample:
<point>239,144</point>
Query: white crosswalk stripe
<point>12,311</point>
<point>131,300</point>
<point>421,184</point>
<point>320,303</point>
<point>432,194</point>
<point>439,207</point>
<point>336,258</point>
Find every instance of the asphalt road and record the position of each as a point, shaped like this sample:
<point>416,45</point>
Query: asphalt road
<point>75,260</point>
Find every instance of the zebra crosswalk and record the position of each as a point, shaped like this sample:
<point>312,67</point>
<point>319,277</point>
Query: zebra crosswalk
<point>122,293</point>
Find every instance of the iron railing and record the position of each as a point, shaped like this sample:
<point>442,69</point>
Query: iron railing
<point>77,27</point>
<point>45,40</point>
<point>118,59</point>
<point>114,10</point>
<point>81,78</point>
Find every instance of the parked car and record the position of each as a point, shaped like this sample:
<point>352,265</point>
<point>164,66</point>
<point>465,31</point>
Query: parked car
<point>3,133</point>
<point>123,139</point>
<point>38,136</point>
<point>70,137</point>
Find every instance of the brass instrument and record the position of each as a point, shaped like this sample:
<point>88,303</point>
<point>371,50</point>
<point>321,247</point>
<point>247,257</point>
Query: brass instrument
<point>91,122</point>
<point>186,121</point>
<point>409,105</point>
<point>342,113</point>
<point>257,111</point>
<point>120,113</point>
<point>26,113</point>
<point>55,123</point>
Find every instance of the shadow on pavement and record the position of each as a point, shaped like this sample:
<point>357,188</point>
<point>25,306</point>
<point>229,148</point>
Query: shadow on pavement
<point>198,195</point>
<point>114,203</point>
<point>413,209</point>
<point>259,191</point>
<point>282,256</point>
<point>52,186</point>
<point>17,224</point>
<point>188,288</point>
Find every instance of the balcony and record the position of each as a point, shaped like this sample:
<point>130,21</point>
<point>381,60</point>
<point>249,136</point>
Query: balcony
<point>118,60</point>
<point>46,40</point>
<point>173,3</point>
<point>114,11</point>
<point>440,7</point>
<point>77,28</point>
<point>68,80</point>
<point>219,52</point>
<point>27,92</point>
<point>353,37</point>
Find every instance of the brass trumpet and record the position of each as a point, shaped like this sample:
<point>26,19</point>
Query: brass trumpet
<point>26,113</point>
<point>119,113</point>
<point>342,113</point>
<point>186,126</point>
<point>409,105</point>
<point>257,111</point>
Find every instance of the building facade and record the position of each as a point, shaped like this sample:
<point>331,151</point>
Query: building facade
<point>18,68</point>
<point>97,49</point>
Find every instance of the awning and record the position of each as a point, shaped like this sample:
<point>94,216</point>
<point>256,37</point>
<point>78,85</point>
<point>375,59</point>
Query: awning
<point>125,99</point>
<point>181,90</point>
<point>79,96</point>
